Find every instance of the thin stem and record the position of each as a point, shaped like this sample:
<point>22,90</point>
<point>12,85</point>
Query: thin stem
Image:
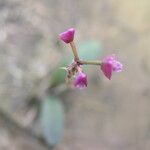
<point>81,62</point>
<point>74,50</point>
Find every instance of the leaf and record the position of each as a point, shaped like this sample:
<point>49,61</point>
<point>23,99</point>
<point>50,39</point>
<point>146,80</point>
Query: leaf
<point>52,119</point>
<point>58,77</point>
<point>89,50</point>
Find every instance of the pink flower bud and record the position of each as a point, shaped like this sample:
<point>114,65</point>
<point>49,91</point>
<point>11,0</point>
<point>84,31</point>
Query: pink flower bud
<point>110,64</point>
<point>68,35</point>
<point>81,80</point>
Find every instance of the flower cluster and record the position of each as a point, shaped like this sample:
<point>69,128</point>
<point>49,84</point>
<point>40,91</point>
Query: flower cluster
<point>108,65</point>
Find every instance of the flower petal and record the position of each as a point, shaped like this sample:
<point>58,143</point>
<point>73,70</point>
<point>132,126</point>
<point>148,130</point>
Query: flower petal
<point>68,35</point>
<point>110,64</point>
<point>117,66</point>
<point>81,80</point>
<point>107,70</point>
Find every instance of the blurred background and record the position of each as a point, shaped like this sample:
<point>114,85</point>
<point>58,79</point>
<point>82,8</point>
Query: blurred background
<point>38,111</point>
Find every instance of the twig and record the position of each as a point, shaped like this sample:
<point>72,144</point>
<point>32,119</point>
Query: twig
<point>74,50</point>
<point>81,62</point>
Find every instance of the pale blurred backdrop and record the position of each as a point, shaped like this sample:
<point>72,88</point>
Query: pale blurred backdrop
<point>108,115</point>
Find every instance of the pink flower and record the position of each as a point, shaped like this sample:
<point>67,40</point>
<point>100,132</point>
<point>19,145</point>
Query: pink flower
<point>81,80</point>
<point>110,64</point>
<point>68,35</point>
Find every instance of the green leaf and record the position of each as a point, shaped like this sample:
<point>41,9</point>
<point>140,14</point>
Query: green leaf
<point>89,50</point>
<point>52,119</point>
<point>58,77</point>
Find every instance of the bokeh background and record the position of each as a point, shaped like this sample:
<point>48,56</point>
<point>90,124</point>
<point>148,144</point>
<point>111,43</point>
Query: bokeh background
<point>38,111</point>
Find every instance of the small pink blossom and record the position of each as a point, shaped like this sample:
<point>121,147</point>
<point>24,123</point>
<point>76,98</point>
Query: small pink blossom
<point>68,35</point>
<point>81,80</point>
<point>109,65</point>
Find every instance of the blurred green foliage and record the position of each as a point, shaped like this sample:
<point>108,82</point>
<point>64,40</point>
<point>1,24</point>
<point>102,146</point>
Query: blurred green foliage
<point>52,119</point>
<point>58,77</point>
<point>90,50</point>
